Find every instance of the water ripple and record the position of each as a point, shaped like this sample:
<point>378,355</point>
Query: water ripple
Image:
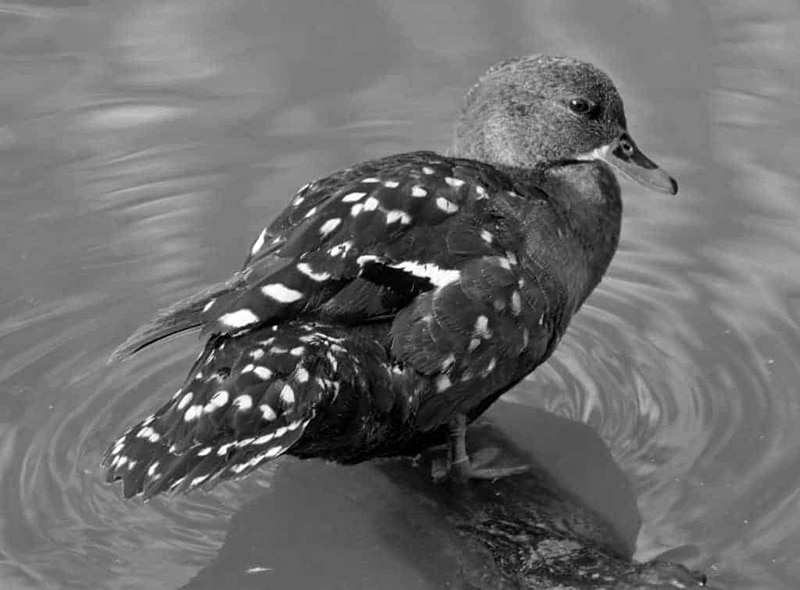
<point>63,521</point>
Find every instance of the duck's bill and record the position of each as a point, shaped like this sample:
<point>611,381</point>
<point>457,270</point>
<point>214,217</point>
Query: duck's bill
<point>624,155</point>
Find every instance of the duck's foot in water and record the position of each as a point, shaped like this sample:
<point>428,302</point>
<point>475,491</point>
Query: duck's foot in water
<point>456,464</point>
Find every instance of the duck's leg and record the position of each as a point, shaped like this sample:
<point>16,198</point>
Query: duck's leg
<point>457,449</point>
<point>458,464</point>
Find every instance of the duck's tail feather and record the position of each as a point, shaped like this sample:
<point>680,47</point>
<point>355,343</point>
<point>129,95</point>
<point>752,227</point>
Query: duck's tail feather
<point>248,399</point>
<point>184,315</point>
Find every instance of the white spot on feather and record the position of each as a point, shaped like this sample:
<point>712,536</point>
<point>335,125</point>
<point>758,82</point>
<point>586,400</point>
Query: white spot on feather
<point>356,209</point>
<point>152,469</point>
<point>305,268</point>
<point>391,184</point>
<point>443,383</point>
<point>281,293</point>
<point>436,275</point>
<point>185,400</point>
<point>258,244</point>
<point>454,182</point>
<point>341,249</point>
<point>243,402</point>
<point>205,451</point>
<point>487,236</point>
<point>448,362</point>
<point>193,413</point>
<point>482,327</point>
<point>268,414</point>
<point>398,215</point>
<point>445,205</point>
<point>145,432</point>
<point>311,213</point>
<point>262,440</point>
<point>362,260</point>
<point>273,452</point>
<point>428,170</point>
<point>209,305</point>
<point>295,425</point>
<point>332,361</point>
<point>301,375</point>
<point>287,394</point>
<point>198,480</point>
<point>353,197</point>
<point>218,400</point>
<point>418,191</point>
<point>370,180</point>
<point>177,482</point>
<point>239,319</point>
<point>482,194</point>
<point>371,204</point>
<point>329,226</point>
<point>262,373</point>
<point>257,354</point>
<point>516,303</point>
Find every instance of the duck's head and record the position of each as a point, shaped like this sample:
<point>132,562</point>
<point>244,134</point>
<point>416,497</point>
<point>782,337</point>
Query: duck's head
<point>542,109</point>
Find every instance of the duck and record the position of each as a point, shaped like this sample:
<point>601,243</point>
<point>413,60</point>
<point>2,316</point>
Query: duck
<point>402,296</point>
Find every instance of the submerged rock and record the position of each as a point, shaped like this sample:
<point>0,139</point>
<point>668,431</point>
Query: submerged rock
<point>569,522</point>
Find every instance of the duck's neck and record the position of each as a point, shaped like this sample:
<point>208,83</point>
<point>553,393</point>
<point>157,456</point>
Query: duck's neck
<point>586,197</point>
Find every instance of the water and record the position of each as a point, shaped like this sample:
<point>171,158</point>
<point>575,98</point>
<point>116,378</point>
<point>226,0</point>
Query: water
<point>145,143</point>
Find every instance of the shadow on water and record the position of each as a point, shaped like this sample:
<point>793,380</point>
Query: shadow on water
<point>571,520</point>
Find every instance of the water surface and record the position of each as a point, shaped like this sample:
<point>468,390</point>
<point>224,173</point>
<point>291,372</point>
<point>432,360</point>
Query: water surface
<point>144,144</point>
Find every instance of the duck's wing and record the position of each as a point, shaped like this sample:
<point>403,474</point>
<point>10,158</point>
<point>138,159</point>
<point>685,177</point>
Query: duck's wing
<point>487,327</point>
<point>376,230</point>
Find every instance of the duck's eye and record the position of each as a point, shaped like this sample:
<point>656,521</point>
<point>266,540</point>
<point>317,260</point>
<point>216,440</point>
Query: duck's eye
<point>627,147</point>
<point>581,106</point>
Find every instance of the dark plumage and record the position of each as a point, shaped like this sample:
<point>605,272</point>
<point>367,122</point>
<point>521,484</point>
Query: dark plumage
<point>402,294</point>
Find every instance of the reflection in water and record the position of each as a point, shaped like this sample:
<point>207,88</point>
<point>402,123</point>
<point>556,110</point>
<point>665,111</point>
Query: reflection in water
<point>144,144</point>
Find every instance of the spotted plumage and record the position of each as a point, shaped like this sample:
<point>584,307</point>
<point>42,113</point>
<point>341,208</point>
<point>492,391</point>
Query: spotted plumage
<point>390,298</point>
